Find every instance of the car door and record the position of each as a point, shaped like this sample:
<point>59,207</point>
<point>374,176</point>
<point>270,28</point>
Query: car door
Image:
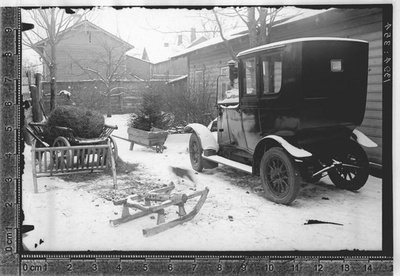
<point>250,102</point>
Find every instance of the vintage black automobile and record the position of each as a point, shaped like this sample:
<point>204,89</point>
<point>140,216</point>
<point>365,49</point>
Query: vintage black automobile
<point>291,115</point>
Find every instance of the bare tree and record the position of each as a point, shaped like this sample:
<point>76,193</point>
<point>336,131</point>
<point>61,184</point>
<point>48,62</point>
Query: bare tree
<point>258,20</point>
<point>227,45</point>
<point>106,64</point>
<point>51,26</point>
<point>28,65</point>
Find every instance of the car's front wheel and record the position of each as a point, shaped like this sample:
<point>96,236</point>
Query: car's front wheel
<point>195,152</point>
<point>280,176</point>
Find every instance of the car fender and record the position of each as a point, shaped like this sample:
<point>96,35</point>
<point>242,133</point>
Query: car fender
<point>363,140</point>
<point>207,139</point>
<point>292,150</point>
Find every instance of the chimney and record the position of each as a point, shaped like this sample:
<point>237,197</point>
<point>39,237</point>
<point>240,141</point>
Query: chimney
<point>192,34</point>
<point>166,44</point>
<point>179,39</point>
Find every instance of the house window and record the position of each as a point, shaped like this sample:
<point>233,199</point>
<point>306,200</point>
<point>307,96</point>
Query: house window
<point>272,73</point>
<point>89,36</point>
<point>225,80</point>
<point>199,80</point>
<point>250,83</point>
<point>191,78</point>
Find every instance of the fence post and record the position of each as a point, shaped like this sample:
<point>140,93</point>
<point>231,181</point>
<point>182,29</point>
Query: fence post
<point>38,82</point>
<point>36,112</point>
<point>52,94</point>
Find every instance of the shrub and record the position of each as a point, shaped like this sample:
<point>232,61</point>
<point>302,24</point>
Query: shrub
<point>150,111</point>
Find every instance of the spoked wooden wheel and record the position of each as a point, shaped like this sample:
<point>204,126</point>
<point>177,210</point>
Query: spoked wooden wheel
<point>159,148</point>
<point>62,158</point>
<point>351,173</point>
<point>280,176</point>
<point>114,147</point>
<point>195,152</point>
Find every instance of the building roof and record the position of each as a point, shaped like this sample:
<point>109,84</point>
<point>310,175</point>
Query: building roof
<point>86,24</point>
<point>138,53</point>
<point>207,43</point>
<point>177,79</point>
<point>304,13</point>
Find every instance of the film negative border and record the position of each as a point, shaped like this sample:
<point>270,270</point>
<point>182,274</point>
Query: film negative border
<point>10,138</point>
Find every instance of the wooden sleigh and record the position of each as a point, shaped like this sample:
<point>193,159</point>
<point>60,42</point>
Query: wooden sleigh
<point>167,199</point>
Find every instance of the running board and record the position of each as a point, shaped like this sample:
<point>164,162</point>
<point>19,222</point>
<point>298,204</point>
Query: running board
<point>228,162</point>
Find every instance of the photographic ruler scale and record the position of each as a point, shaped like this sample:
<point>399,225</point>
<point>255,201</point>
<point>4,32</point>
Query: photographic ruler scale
<point>114,264</point>
<point>10,140</point>
<point>13,260</point>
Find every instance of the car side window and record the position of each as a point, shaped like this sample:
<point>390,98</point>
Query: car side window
<point>250,82</point>
<point>272,73</point>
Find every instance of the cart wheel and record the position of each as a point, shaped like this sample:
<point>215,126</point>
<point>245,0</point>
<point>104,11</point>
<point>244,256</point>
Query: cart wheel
<point>280,176</point>
<point>159,148</point>
<point>114,148</point>
<point>353,173</point>
<point>195,152</point>
<point>66,157</point>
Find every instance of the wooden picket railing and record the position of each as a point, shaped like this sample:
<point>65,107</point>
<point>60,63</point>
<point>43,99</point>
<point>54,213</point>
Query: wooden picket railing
<point>49,161</point>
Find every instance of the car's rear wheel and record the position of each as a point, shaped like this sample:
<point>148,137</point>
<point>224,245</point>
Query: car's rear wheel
<point>280,176</point>
<point>353,173</point>
<point>195,152</point>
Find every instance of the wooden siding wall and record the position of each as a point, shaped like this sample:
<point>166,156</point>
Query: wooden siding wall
<point>84,47</point>
<point>170,67</point>
<point>138,67</point>
<point>365,24</point>
<point>211,61</point>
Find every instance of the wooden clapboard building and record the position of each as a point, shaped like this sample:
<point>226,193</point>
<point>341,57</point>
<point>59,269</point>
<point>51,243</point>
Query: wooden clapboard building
<point>86,46</point>
<point>211,57</point>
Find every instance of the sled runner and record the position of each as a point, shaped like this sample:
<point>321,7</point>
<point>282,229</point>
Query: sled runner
<point>167,199</point>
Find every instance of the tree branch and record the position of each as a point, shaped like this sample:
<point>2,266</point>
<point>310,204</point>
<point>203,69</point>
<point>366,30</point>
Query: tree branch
<point>226,42</point>
<point>242,18</point>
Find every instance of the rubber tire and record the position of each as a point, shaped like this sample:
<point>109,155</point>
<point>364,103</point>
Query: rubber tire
<point>195,152</point>
<point>354,150</point>
<point>293,175</point>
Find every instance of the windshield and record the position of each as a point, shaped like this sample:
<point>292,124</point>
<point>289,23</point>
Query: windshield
<point>227,93</point>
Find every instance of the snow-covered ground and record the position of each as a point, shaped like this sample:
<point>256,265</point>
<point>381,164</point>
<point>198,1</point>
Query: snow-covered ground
<point>74,215</point>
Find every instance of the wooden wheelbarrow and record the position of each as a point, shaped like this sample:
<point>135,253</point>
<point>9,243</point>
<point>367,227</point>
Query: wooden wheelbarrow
<point>167,199</point>
<point>152,139</point>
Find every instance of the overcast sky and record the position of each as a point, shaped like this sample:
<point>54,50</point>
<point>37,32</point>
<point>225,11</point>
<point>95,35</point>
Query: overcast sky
<point>149,27</point>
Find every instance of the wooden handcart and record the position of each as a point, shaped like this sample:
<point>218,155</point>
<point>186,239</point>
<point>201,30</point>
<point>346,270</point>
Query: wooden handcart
<point>68,153</point>
<point>167,199</point>
<point>67,137</point>
<point>152,139</point>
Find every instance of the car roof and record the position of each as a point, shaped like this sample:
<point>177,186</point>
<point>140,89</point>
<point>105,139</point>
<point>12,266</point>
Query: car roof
<point>283,43</point>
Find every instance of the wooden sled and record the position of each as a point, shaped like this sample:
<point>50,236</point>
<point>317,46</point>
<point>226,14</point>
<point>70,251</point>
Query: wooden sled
<point>167,199</point>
